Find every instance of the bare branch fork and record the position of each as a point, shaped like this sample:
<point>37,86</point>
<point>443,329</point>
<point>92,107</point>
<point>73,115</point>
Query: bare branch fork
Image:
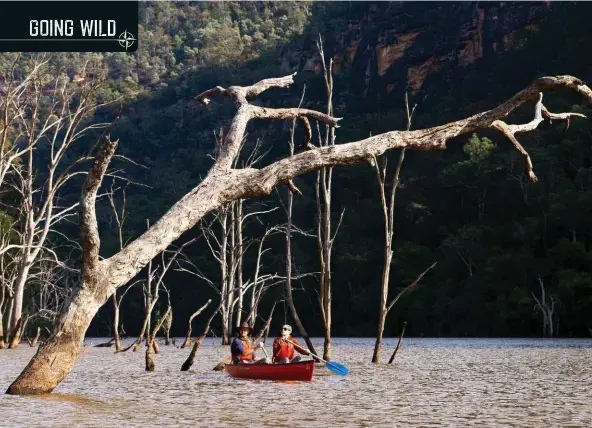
<point>55,358</point>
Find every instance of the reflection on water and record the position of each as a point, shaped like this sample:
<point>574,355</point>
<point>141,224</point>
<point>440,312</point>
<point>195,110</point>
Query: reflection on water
<point>434,382</point>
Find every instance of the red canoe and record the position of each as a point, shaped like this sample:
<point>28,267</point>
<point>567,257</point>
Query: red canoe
<point>295,371</point>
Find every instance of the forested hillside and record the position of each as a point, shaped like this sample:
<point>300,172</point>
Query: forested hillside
<point>498,239</point>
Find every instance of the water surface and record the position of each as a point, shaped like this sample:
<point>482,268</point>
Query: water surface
<point>434,382</point>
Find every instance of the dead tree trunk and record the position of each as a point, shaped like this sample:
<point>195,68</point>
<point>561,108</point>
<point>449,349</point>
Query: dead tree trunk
<point>189,361</point>
<point>120,217</point>
<point>116,323</point>
<point>8,321</point>
<point>33,343</point>
<point>2,300</point>
<point>323,196</point>
<point>388,217</point>
<point>193,315</point>
<point>288,291</point>
<point>168,321</point>
<point>402,292</point>
<point>2,345</point>
<point>265,330</point>
<point>152,341</point>
<point>398,343</point>
<point>100,278</point>
<point>17,320</point>
<point>239,261</point>
<point>546,306</point>
<point>15,334</point>
<point>226,291</point>
<point>151,297</point>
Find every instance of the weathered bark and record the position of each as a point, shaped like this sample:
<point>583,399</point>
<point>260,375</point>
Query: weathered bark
<point>193,315</point>
<point>56,357</point>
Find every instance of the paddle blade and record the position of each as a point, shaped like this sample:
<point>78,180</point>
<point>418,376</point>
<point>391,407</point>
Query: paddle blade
<point>337,368</point>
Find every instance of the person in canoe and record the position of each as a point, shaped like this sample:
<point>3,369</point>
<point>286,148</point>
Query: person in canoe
<point>242,348</point>
<point>283,350</point>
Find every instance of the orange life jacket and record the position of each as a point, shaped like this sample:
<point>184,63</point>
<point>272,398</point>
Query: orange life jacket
<point>248,353</point>
<point>283,349</point>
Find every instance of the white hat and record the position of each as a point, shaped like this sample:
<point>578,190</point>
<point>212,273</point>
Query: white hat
<point>287,327</point>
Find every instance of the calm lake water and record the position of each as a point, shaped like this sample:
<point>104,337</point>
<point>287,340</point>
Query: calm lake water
<point>434,382</point>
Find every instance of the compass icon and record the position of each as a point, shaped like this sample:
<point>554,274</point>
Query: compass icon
<point>126,40</point>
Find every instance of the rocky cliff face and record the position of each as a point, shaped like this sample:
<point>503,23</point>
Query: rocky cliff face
<point>398,46</point>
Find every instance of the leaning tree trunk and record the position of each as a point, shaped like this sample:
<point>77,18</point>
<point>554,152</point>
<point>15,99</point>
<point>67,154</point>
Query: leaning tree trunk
<point>55,358</point>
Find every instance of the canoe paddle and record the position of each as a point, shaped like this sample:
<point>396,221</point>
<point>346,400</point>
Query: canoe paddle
<point>333,366</point>
<point>264,351</point>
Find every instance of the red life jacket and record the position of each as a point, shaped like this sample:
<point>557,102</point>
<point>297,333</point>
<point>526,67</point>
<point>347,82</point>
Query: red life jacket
<point>249,351</point>
<point>283,349</point>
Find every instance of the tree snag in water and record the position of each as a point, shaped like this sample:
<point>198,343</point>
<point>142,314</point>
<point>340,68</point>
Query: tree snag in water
<point>99,279</point>
<point>388,213</point>
<point>398,343</point>
<point>196,313</point>
<point>325,238</point>
<point>152,342</point>
<point>33,342</point>
<point>189,362</point>
<point>288,287</point>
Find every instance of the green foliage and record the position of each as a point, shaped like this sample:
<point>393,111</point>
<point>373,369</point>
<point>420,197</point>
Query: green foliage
<point>471,207</point>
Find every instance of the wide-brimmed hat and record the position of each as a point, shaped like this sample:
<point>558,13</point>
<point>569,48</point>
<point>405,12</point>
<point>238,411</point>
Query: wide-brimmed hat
<point>246,325</point>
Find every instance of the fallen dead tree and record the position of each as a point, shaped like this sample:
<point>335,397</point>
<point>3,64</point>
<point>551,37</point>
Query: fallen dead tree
<point>99,278</point>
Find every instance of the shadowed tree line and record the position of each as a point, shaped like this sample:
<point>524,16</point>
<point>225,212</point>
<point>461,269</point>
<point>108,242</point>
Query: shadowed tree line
<point>513,256</point>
